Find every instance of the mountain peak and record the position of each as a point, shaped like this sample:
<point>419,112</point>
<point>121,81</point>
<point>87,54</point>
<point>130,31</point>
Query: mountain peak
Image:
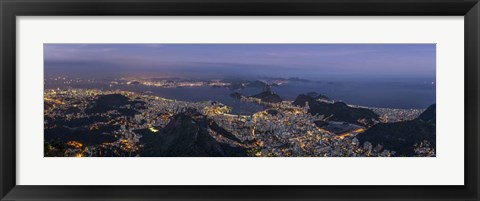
<point>187,135</point>
<point>268,96</point>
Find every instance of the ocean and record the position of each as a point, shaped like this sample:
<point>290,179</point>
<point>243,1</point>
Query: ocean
<point>385,94</point>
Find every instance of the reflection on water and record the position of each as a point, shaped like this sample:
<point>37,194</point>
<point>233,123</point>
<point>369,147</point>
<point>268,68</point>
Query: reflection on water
<point>373,94</point>
<point>401,95</point>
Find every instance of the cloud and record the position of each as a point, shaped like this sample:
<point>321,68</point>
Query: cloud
<point>153,45</point>
<point>325,53</point>
<point>373,59</point>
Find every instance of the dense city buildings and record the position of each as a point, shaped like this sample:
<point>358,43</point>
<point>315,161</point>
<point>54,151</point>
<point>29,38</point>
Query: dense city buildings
<point>239,100</point>
<point>94,122</point>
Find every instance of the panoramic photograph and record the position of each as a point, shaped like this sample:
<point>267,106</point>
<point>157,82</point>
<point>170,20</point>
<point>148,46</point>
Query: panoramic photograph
<point>239,100</point>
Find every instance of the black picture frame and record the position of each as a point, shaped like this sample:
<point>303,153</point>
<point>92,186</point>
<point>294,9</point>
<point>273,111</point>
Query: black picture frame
<point>10,9</point>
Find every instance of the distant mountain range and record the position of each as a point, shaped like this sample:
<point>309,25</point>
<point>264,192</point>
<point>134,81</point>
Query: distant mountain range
<point>402,136</point>
<point>241,84</point>
<point>295,79</point>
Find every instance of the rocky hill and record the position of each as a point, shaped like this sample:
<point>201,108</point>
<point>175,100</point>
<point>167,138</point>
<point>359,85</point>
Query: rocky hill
<point>268,96</point>
<point>187,135</point>
<point>108,102</point>
<point>402,136</point>
<point>338,111</point>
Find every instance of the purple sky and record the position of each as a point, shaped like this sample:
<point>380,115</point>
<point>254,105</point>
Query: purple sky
<point>416,60</point>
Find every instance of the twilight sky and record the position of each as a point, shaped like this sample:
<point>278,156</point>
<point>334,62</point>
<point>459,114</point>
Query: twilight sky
<point>364,60</point>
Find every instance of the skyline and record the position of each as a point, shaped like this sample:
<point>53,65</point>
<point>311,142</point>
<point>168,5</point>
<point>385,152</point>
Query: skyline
<point>316,60</point>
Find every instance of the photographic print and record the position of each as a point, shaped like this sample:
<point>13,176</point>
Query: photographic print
<point>239,100</point>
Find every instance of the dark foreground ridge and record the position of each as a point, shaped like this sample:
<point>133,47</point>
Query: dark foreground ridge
<point>186,135</point>
<point>101,124</point>
<point>403,136</point>
<point>429,115</point>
